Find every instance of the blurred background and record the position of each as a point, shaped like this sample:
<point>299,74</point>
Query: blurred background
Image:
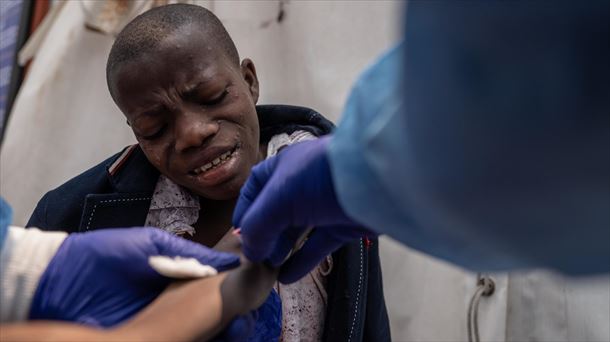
<point>58,120</point>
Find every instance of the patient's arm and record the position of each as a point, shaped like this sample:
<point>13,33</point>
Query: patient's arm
<point>184,312</point>
<point>200,309</point>
<point>190,310</point>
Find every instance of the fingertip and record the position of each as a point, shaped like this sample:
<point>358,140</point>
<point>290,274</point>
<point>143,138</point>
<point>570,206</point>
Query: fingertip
<point>224,260</point>
<point>230,262</point>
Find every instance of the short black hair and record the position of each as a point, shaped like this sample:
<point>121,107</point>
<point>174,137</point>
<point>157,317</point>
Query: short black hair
<point>144,34</point>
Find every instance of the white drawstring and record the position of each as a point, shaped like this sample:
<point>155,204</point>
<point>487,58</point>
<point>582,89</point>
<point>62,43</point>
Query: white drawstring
<point>485,287</point>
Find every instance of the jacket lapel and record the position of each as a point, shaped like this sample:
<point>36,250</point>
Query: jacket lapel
<point>133,180</point>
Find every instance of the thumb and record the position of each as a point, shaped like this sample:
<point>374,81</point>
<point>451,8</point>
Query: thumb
<point>170,245</point>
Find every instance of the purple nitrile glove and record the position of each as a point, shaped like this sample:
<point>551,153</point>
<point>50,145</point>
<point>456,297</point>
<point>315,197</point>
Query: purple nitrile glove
<point>102,278</point>
<point>285,195</point>
<point>238,330</point>
<point>262,324</point>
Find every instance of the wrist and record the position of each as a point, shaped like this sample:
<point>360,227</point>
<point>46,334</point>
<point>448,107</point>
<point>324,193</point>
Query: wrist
<point>246,288</point>
<point>23,260</point>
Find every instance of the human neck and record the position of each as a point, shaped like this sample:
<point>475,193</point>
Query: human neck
<point>214,220</point>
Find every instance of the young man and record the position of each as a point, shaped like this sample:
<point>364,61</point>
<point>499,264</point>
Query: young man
<point>175,74</point>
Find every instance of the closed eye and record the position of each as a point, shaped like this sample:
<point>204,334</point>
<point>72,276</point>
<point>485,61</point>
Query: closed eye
<point>216,100</point>
<point>155,135</point>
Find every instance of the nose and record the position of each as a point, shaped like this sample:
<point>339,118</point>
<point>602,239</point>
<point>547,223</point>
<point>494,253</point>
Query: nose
<point>193,130</point>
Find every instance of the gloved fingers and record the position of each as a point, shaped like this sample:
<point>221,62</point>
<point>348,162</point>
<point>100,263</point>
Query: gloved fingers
<point>172,246</point>
<point>252,213</point>
<point>284,245</point>
<point>254,185</point>
<point>317,247</point>
<point>264,222</point>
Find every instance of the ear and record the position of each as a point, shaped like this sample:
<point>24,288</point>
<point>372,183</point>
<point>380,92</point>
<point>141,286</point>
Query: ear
<point>249,74</point>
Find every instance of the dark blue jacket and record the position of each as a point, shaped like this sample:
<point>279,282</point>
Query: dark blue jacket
<point>117,193</point>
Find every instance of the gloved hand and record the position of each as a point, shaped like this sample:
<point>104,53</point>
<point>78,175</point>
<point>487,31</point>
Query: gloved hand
<point>262,324</point>
<point>285,195</point>
<point>101,278</point>
<point>239,329</point>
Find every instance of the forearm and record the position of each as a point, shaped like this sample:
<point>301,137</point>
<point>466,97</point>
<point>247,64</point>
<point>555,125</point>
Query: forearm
<point>186,311</point>
<point>200,309</point>
<point>53,331</point>
<point>193,310</point>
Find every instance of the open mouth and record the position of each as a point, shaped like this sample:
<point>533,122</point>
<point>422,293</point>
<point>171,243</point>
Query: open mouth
<point>218,161</point>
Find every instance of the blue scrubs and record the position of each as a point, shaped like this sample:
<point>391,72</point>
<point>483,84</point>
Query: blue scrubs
<point>484,138</point>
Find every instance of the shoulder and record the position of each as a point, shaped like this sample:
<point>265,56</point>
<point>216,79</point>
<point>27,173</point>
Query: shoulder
<point>277,119</point>
<point>62,206</point>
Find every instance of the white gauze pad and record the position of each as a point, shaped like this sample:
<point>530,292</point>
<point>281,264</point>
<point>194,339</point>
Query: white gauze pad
<point>180,268</point>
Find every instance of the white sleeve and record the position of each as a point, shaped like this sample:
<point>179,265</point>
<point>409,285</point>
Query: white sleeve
<point>23,259</point>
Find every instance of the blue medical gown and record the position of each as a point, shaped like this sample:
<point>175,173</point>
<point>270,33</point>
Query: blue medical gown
<point>484,137</point>
<point>6,217</point>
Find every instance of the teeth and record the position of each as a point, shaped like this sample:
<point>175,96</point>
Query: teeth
<point>214,162</point>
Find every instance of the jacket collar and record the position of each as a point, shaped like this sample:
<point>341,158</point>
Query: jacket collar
<point>275,119</point>
<point>131,172</point>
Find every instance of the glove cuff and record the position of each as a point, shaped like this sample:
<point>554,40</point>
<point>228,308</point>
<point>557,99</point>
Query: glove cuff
<point>25,255</point>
